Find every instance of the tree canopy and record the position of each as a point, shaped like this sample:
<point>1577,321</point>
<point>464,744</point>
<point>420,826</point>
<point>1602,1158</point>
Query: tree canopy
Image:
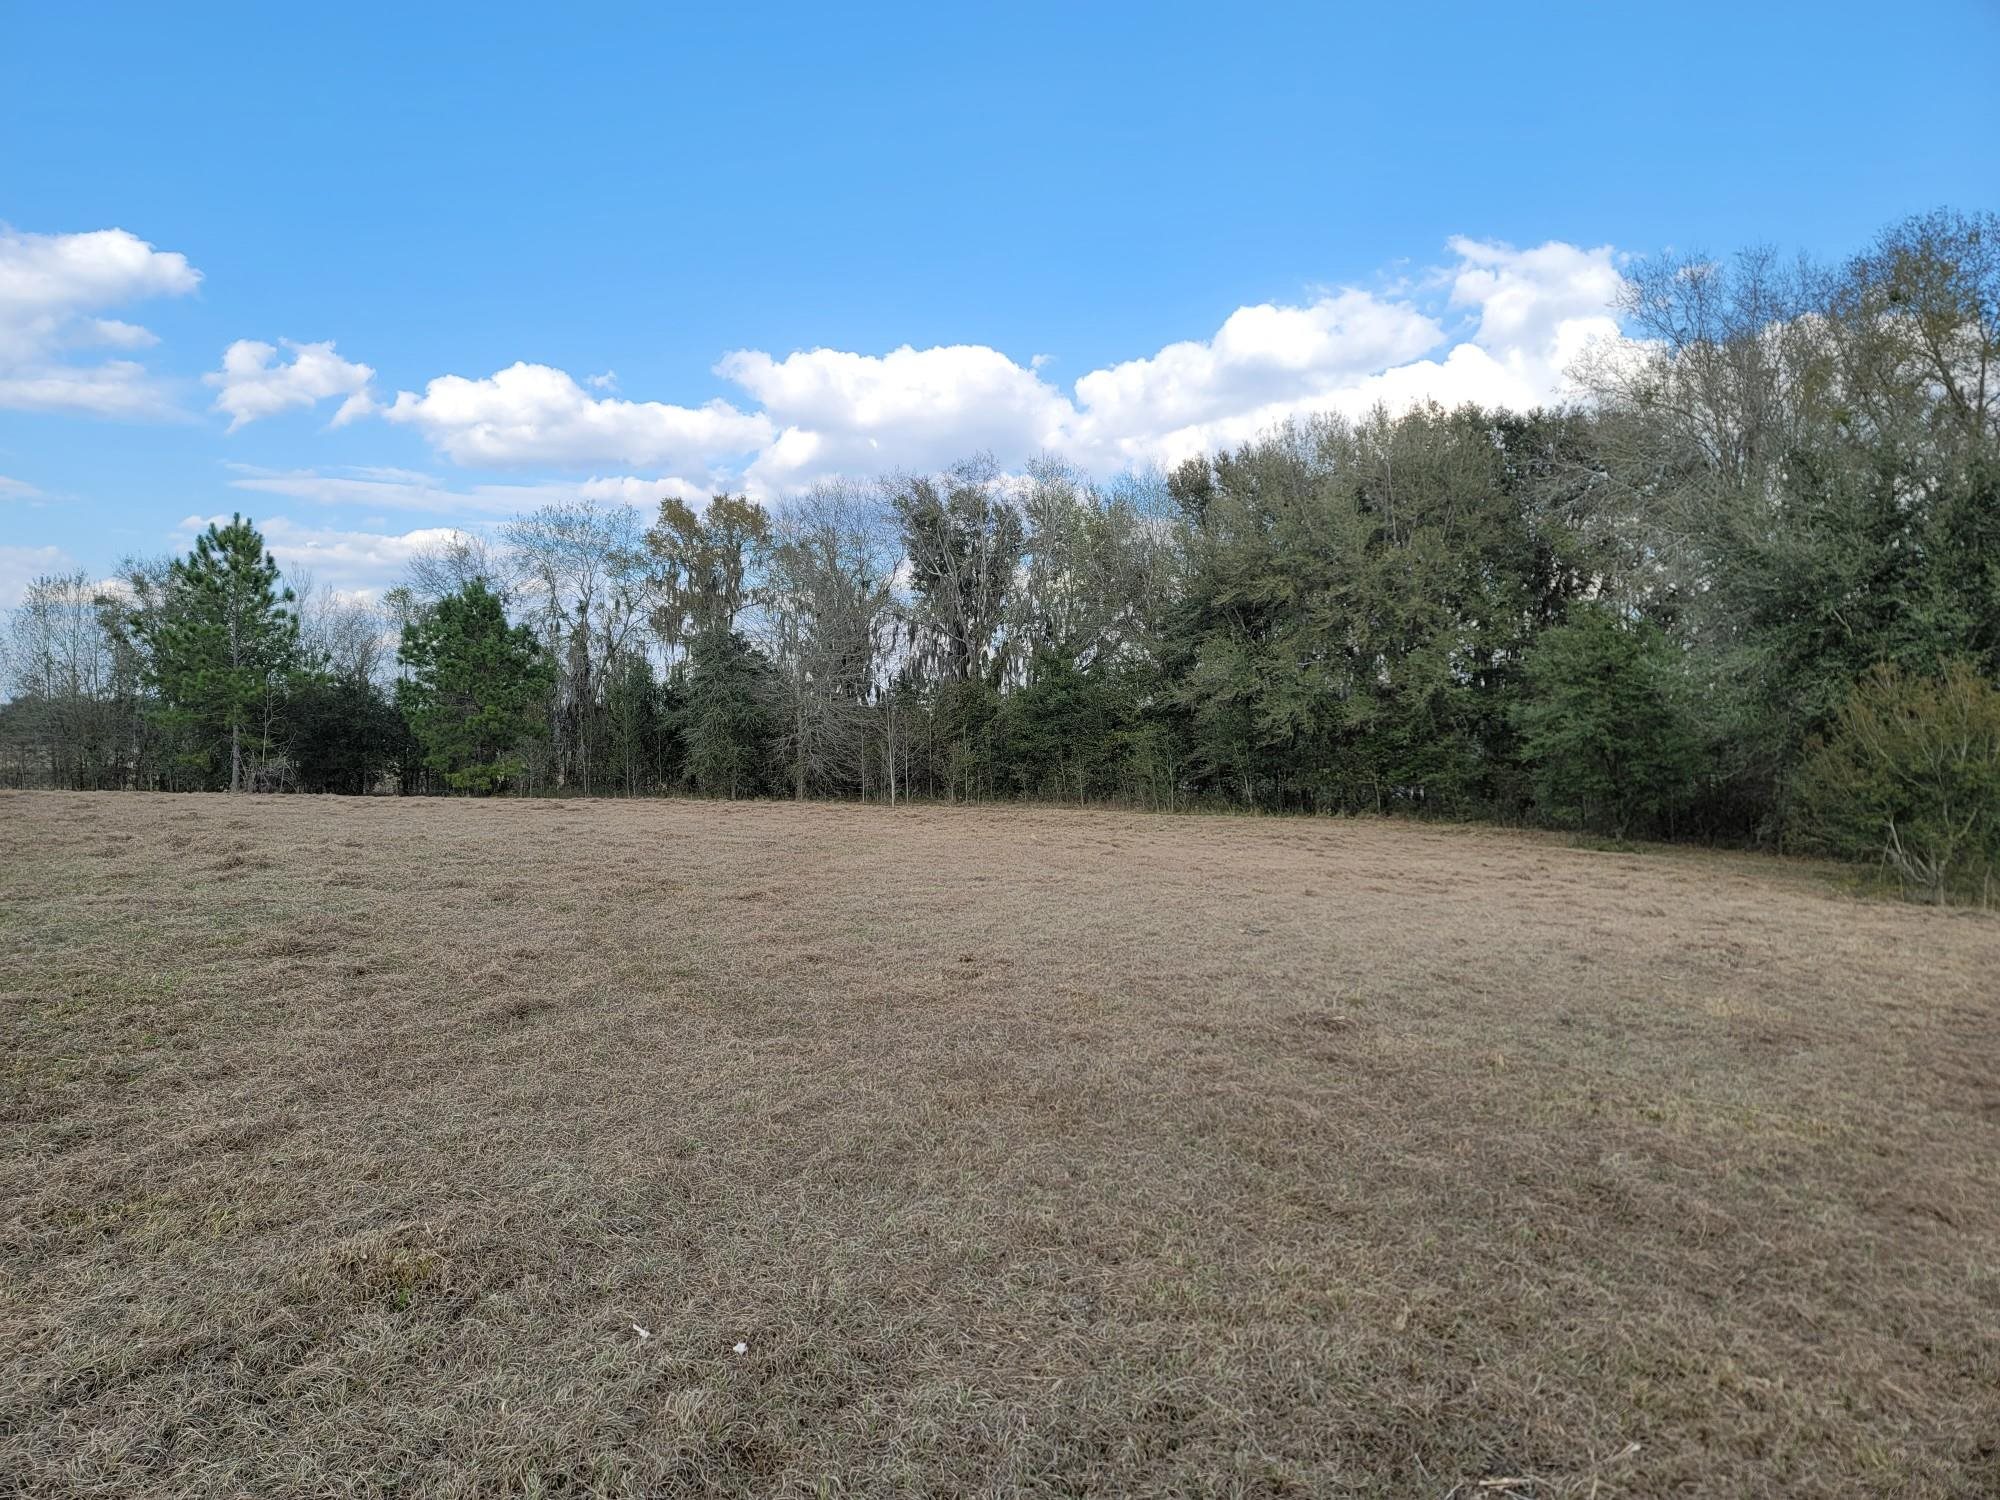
<point>474,689</point>
<point>1646,613</point>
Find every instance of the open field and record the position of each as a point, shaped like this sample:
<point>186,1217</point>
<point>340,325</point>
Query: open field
<point>1028,1152</point>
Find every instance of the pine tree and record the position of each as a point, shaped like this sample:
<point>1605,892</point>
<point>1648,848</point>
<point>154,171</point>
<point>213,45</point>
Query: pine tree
<point>223,644</point>
<point>475,688</point>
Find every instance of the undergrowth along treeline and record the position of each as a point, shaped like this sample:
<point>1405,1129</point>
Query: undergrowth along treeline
<point>1749,590</point>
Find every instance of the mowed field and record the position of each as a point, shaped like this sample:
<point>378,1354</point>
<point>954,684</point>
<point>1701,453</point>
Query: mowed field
<point>346,1145</point>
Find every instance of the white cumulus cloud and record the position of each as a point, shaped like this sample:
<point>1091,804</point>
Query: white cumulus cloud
<point>1496,325</point>
<point>1526,315</point>
<point>1531,314</point>
<point>528,415</point>
<point>253,382</point>
<point>1262,362</point>
<point>52,286</point>
<point>911,408</point>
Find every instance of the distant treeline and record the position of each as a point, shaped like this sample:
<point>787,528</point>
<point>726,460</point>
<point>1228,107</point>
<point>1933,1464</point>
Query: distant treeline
<point>1748,590</point>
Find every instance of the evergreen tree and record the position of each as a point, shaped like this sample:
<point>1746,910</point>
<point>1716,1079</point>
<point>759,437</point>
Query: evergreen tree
<point>345,734</point>
<point>1063,729</point>
<point>1602,725</point>
<point>474,690</point>
<point>636,742</point>
<point>729,726</point>
<point>1354,600</point>
<point>222,645</point>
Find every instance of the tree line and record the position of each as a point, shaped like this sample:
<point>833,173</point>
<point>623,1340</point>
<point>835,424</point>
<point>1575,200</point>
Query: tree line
<point>1748,590</point>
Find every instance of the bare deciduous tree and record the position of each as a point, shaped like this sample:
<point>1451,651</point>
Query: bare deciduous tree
<point>581,578</point>
<point>448,566</point>
<point>963,540</point>
<point>61,669</point>
<point>828,624</point>
<point>343,634</point>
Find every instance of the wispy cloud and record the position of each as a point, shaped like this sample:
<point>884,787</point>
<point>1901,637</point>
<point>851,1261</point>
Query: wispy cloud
<point>409,490</point>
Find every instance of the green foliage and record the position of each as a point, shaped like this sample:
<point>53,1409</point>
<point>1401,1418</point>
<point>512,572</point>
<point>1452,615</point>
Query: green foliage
<point>1909,775</point>
<point>965,737</point>
<point>475,690</point>
<point>345,735</point>
<point>1603,727</point>
<point>729,725</point>
<point>703,564</point>
<point>1355,602</point>
<point>641,747</point>
<point>1859,559</point>
<point>221,648</point>
<point>1813,456</point>
<point>1063,731</point>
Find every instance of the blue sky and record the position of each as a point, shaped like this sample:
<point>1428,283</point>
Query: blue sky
<point>792,242</point>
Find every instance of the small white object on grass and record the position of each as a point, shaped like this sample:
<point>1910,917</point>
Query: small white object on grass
<point>644,1333</point>
<point>742,1348</point>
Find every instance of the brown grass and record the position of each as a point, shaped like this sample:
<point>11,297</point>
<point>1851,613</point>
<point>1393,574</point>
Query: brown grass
<point>1029,1152</point>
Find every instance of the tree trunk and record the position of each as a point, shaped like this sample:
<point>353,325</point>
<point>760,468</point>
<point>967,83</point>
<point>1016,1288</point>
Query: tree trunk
<point>889,753</point>
<point>799,786</point>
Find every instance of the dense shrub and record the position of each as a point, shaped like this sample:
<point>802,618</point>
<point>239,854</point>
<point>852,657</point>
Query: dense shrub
<point>1910,774</point>
<point>345,734</point>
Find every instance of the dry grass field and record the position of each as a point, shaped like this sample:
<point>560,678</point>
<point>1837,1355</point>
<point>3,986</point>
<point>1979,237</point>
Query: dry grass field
<point>348,1144</point>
